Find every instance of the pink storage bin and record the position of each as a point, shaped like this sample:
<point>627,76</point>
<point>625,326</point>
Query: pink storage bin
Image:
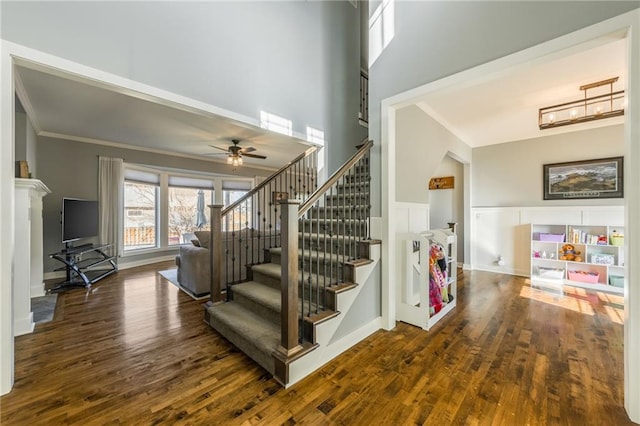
<point>555,238</point>
<point>584,277</point>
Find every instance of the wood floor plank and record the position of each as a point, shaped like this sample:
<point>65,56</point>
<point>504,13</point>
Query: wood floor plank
<point>135,350</point>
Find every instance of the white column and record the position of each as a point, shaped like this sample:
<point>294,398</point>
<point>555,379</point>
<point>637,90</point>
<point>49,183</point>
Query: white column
<point>632,227</point>
<point>28,252</point>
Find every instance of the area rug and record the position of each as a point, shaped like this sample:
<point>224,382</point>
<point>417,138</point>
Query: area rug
<point>171,275</point>
<point>44,307</point>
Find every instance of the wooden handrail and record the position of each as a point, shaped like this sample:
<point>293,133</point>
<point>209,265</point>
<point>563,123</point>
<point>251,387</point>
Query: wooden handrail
<point>308,152</point>
<point>334,178</point>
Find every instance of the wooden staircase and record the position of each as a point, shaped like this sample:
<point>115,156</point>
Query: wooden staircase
<point>328,243</point>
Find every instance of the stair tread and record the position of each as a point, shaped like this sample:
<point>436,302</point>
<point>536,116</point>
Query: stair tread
<point>260,293</point>
<point>252,329</point>
<point>314,254</point>
<point>271,298</point>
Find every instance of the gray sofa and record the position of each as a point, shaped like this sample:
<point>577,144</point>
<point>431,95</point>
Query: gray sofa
<point>193,259</point>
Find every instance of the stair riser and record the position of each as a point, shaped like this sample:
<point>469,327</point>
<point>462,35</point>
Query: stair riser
<point>262,358</point>
<point>357,188</point>
<point>354,212</point>
<point>333,246</point>
<point>347,200</point>
<point>335,228</point>
<point>275,283</point>
<point>331,269</point>
<point>358,178</point>
<point>264,311</point>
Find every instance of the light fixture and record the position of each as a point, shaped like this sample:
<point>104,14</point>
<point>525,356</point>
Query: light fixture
<point>603,105</point>
<point>234,159</point>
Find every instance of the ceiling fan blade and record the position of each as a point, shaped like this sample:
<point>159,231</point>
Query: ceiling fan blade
<point>211,154</point>
<point>248,149</point>
<point>262,157</point>
<point>221,149</point>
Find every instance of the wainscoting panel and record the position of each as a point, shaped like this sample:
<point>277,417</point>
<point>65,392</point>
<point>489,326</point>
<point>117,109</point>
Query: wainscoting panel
<point>505,231</point>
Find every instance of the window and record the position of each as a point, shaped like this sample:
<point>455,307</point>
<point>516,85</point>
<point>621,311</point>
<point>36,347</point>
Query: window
<point>163,208</point>
<point>241,218</point>
<point>381,29</point>
<point>140,206</point>
<point>189,198</point>
<point>316,137</point>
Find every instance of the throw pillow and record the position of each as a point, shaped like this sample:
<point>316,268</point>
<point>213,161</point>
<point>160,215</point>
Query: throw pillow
<point>195,242</point>
<point>203,237</point>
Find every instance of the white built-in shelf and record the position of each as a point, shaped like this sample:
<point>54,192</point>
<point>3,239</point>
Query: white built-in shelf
<point>600,262</point>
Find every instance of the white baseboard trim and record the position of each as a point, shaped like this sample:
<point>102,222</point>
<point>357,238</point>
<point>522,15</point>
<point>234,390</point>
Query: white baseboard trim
<point>500,270</point>
<point>37,290</point>
<point>376,228</point>
<point>301,368</point>
<point>126,265</point>
<point>23,326</point>
<point>144,262</point>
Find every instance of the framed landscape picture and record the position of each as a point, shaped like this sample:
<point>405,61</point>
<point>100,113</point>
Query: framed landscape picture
<point>601,178</point>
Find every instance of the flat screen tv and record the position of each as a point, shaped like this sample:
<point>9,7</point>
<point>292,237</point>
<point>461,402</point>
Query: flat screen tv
<point>79,219</point>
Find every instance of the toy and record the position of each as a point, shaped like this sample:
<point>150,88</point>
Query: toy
<point>568,252</point>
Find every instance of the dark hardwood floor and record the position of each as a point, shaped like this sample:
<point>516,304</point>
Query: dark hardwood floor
<point>134,350</point>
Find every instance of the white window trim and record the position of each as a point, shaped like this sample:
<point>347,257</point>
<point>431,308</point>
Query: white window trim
<point>162,202</point>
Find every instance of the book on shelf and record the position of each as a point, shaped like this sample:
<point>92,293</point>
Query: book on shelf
<point>578,236</point>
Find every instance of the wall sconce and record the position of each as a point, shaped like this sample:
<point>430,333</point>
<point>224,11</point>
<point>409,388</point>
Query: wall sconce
<point>603,105</point>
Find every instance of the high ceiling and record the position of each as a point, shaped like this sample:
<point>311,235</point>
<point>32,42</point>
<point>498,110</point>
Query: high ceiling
<point>504,108</point>
<point>500,108</point>
<point>68,107</point>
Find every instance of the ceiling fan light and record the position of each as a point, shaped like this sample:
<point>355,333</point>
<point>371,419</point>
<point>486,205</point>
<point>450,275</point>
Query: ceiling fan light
<point>230,159</point>
<point>240,160</point>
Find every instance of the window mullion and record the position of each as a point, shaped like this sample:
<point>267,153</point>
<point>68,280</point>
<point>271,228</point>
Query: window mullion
<point>163,211</point>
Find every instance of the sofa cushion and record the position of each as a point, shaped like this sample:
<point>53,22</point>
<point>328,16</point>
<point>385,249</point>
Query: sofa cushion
<point>203,237</point>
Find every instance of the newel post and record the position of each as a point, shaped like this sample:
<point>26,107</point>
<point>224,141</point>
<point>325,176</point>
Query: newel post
<point>289,344</point>
<point>215,253</point>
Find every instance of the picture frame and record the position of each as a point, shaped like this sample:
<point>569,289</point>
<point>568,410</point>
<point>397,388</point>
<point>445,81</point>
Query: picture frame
<point>587,179</point>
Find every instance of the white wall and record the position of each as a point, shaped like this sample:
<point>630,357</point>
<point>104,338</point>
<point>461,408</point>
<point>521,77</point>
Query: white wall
<point>447,205</point>
<point>421,144</point>
<point>510,174</point>
<point>506,231</point>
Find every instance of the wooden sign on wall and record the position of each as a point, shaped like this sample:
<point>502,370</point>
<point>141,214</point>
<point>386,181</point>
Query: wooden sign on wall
<point>441,183</point>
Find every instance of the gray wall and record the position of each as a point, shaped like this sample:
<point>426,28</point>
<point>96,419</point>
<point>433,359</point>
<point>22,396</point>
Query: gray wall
<point>421,145</point>
<point>299,60</point>
<point>439,38</point>
<point>510,174</point>
<point>25,138</point>
<point>70,169</point>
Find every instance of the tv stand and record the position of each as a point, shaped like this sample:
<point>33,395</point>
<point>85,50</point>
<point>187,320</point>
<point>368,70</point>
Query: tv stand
<point>81,265</point>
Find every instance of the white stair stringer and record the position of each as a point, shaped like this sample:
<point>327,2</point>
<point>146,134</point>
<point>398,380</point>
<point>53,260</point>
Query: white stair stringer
<point>327,348</point>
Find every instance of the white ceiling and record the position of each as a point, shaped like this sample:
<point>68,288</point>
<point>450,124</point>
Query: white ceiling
<point>501,108</point>
<point>504,108</point>
<point>67,106</point>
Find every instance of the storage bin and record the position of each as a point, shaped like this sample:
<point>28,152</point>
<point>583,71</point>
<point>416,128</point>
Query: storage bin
<point>550,273</point>
<point>603,259</point>
<point>617,240</point>
<point>555,238</point>
<point>616,281</point>
<point>584,277</point>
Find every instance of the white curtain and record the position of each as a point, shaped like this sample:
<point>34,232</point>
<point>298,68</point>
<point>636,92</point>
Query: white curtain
<point>111,200</point>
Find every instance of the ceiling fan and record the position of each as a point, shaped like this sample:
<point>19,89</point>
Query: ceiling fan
<point>235,153</point>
